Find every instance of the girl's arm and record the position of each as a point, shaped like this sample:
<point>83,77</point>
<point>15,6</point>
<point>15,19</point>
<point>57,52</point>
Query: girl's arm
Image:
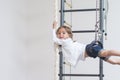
<point>54,24</point>
<point>55,39</point>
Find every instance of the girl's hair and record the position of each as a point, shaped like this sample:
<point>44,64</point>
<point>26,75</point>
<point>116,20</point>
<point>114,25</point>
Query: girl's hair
<point>68,30</point>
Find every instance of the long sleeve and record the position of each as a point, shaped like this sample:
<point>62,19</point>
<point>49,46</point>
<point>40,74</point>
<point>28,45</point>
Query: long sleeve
<point>72,51</point>
<point>55,39</point>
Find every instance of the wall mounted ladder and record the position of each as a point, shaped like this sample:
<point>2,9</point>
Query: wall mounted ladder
<point>101,24</point>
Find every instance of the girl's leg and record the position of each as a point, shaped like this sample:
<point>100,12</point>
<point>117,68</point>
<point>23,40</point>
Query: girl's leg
<point>113,60</point>
<point>106,53</point>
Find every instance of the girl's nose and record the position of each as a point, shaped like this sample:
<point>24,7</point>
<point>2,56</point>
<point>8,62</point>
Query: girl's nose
<point>61,35</point>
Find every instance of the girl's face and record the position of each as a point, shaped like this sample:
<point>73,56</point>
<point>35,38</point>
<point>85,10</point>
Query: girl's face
<point>62,34</point>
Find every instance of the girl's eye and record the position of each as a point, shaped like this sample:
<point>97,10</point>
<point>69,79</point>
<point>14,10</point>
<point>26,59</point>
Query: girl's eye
<point>64,32</point>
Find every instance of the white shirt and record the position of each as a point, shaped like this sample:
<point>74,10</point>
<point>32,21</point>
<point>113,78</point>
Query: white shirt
<point>73,51</point>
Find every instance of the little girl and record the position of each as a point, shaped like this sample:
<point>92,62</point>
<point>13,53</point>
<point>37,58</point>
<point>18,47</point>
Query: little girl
<point>75,51</point>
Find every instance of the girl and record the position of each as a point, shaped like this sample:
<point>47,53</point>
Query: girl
<point>75,51</point>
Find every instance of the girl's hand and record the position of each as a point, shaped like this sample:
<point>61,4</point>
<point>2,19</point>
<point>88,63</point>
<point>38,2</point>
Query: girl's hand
<point>54,24</point>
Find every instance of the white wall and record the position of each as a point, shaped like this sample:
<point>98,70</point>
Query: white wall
<point>112,71</point>
<point>13,38</point>
<point>26,46</point>
<point>40,54</point>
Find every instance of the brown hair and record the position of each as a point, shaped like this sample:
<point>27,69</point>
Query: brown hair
<point>68,30</point>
